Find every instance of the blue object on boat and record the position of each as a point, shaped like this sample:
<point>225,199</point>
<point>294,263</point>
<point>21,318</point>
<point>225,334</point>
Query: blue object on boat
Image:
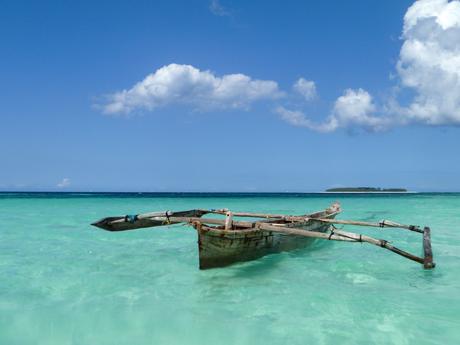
<point>131,218</point>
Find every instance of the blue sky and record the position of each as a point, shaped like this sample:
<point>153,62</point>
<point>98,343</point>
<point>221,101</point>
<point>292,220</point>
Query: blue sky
<point>247,96</point>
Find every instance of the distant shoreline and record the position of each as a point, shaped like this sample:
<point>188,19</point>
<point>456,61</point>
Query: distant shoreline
<point>365,190</point>
<point>374,192</point>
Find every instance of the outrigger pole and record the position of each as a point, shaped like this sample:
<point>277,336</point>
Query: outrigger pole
<point>277,223</point>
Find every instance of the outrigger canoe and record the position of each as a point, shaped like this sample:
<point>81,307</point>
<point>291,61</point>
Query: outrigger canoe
<point>222,242</point>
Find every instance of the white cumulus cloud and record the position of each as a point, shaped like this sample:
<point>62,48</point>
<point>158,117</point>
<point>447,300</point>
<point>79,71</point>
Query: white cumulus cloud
<point>305,88</point>
<point>355,108</point>
<point>185,84</point>
<point>65,182</point>
<point>299,119</point>
<point>428,65</point>
<point>429,62</point>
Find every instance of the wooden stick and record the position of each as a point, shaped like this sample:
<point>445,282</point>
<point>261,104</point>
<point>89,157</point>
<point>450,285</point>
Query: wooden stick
<point>427,252</point>
<point>249,214</point>
<point>163,220</point>
<point>304,220</point>
<point>380,243</point>
<point>229,221</point>
<point>237,223</point>
<point>382,224</point>
<point>265,215</point>
<point>338,235</point>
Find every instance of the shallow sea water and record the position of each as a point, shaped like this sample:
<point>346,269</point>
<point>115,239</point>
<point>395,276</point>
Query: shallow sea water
<point>65,282</point>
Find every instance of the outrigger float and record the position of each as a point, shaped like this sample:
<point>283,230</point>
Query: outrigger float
<point>222,242</point>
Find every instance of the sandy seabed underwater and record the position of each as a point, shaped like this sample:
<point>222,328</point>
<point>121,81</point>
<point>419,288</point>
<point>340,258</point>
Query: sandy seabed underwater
<point>63,281</point>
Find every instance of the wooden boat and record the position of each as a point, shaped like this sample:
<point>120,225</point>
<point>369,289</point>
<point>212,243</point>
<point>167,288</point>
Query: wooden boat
<point>222,242</point>
<point>219,247</point>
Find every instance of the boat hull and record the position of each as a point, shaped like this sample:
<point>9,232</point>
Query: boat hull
<point>219,248</point>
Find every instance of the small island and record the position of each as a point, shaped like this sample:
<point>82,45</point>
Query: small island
<point>366,190</point>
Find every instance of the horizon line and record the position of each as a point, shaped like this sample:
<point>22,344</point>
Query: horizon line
<point>217,192</point>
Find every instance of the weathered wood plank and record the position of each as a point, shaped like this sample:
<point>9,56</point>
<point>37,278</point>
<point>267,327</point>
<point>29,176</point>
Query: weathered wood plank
<point>427,252</point>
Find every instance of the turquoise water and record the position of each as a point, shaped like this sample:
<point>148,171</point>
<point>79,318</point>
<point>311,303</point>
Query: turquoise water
<point>65,282</point>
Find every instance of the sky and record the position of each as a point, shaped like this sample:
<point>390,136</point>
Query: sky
<point>229,96</point>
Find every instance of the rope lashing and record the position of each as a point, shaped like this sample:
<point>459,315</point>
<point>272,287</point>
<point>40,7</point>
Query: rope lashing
<point>337,228</point>
<point>382,223</point>
<point>343,235</point>
<point>167,221</point>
